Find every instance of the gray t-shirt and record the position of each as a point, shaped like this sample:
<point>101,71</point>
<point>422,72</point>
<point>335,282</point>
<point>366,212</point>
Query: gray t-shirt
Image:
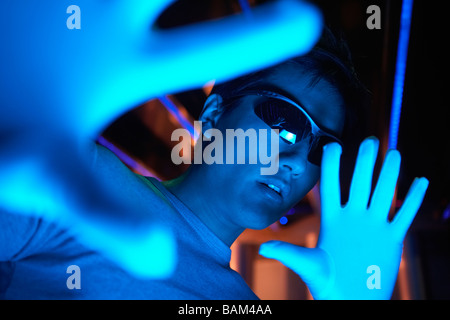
<point>35,256</point>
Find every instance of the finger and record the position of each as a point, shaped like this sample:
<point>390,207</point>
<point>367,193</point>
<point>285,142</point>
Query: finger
<point>384,191</point>
<point>149,255</point>
<point>309,264</point>
<point>411,205</point>
<point>330,190</point>
<point>224,49</point>
<point>55,182</point>
<point>361,184</point>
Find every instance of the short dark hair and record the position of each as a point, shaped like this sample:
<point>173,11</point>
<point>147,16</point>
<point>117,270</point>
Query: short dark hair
<point>329,60</point>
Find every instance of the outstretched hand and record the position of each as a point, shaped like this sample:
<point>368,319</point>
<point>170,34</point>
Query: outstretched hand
<point>60,88</point>
<point>358,251</point>
<point>85,79</point>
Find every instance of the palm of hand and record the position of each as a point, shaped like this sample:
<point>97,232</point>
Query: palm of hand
<point>356,239</point>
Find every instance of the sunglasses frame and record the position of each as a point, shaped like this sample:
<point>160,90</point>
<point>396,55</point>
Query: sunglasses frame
<point>316,130</point>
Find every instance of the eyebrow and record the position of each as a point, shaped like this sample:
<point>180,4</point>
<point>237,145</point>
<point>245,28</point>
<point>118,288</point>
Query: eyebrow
<point>278,90</point>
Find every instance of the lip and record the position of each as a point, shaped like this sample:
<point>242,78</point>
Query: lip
<point>280,184</point>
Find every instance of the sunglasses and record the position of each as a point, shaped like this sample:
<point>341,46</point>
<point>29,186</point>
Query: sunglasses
<point>292,121</point>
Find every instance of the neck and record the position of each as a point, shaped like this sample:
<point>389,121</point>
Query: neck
<point>205,203</point>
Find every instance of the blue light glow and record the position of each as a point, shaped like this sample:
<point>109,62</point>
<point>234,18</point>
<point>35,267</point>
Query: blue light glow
<point>78,82</point>
<point>399,81</point>
<point>359,251</point>
<point>284,220</point>
<point>245,7</point>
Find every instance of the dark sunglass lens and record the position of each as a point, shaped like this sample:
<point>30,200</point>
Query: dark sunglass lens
<point>281,115</point>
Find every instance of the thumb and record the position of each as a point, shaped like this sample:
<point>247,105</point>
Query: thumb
<point>312,265</point>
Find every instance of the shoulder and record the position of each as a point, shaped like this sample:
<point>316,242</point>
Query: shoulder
<point>123,181</point>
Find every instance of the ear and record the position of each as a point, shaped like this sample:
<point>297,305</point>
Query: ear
<point>212,110</point>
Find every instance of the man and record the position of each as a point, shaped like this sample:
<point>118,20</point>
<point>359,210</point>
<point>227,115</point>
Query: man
<point>210,205</point>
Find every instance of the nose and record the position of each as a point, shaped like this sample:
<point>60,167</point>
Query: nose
<point>294,158</point>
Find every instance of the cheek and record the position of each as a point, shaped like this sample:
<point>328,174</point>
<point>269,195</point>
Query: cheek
<point>241,137</point>
<point>302,185</point>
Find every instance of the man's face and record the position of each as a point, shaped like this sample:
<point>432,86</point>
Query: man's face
<point>240,189</point>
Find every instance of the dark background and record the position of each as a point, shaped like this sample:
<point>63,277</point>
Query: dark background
<point>423,137</point>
